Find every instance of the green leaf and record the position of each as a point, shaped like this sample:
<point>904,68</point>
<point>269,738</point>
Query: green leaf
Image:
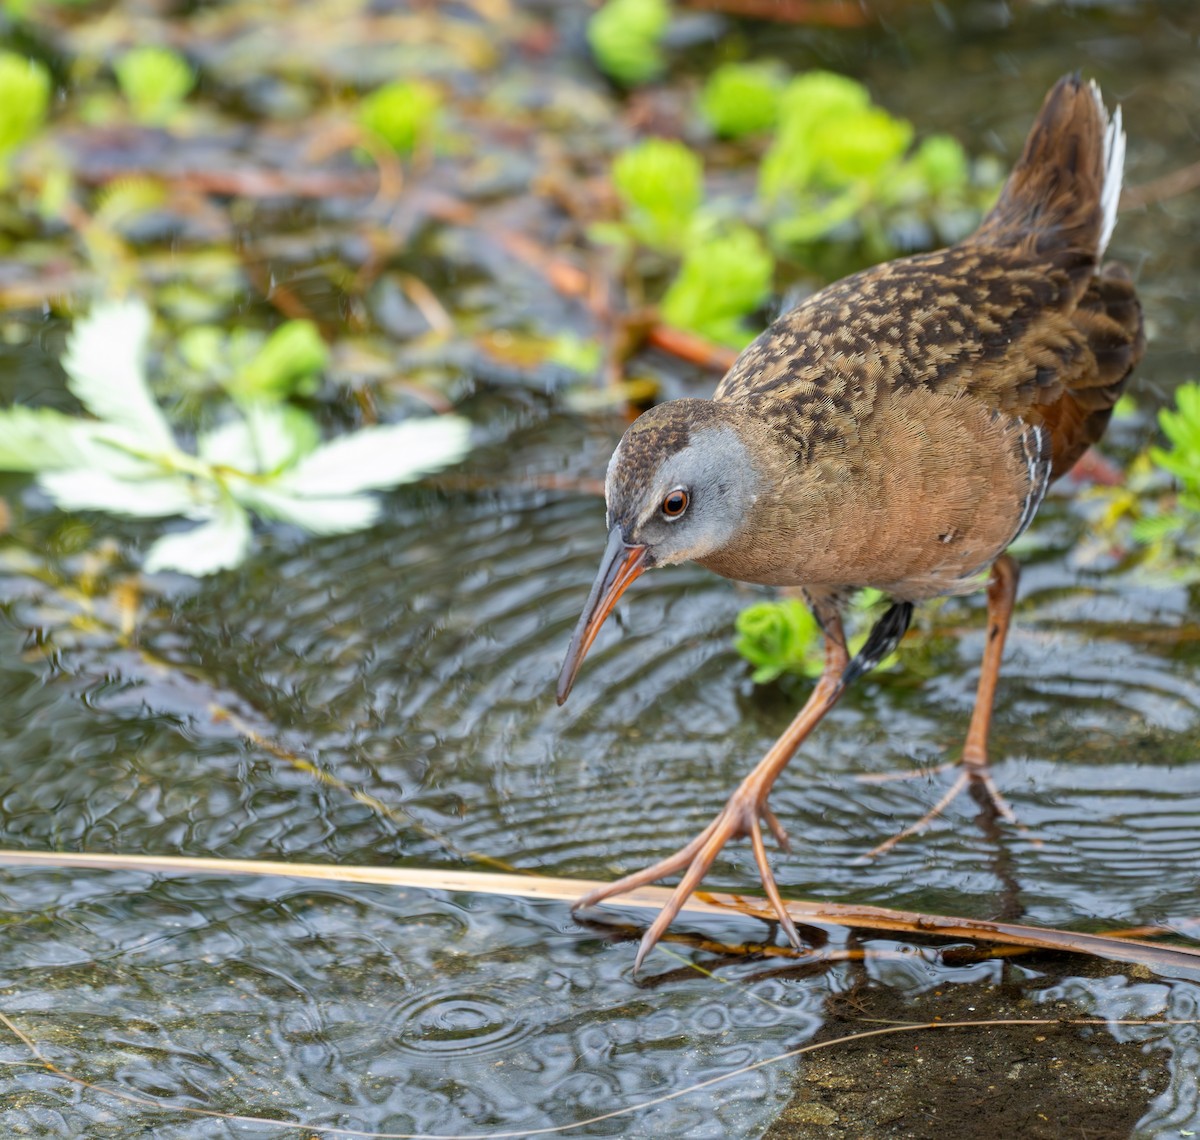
<point>378,457</point>
<point>820,115</point>
<point>723,277</point>
<point>625,36</point>
<point>859,145</point>
<point>816,220</point>
<point>403,114</point>
<point>86,489</point>
<point>1157,527</point>
<point>942,163</point>
<point>1126,408</point>
<point>821,96</point>
<point>1182,427</point>
<point>660,183</point>
<point>38,439</point>
<point>155,81</point>
<point>105,364</point>
<point>742,98</point>
<point>24,98</point>
<point>289,363</point>
<point>779,637</point>
<point>219,544</point>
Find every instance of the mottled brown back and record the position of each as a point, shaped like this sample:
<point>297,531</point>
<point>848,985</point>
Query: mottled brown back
<point>1018,316</point>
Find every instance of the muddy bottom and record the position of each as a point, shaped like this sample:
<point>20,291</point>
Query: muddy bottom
<point>1002,1081</point>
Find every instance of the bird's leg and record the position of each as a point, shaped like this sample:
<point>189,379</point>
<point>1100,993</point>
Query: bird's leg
<point>1001,596</point>
<point>742,811</point>
<point>748,804</point>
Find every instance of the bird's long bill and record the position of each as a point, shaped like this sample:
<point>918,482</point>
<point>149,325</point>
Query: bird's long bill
<point>619,567</point>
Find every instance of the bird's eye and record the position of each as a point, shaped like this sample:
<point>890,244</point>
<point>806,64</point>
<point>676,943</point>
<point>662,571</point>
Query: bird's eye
<point>675,503</point>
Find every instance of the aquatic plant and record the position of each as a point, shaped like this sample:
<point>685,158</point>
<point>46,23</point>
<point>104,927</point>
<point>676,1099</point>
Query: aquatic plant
<point>660,184</point>
<point>743,98</point>
<point>1175,520</point>
<point>155,81</point>
<point>265,458</point>
<point>779,637</point>
<point>625,37</point>
<point>782,636</point>
<point>725,275</point>
<point>24,98</point>
<point>403,114</point>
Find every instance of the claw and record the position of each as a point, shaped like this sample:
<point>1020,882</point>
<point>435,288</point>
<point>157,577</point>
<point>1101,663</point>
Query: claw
<point>740,816</point>
<point>971,773</point>
<point>768,881</point>
<point>647,875</point>
<point>776,827</point>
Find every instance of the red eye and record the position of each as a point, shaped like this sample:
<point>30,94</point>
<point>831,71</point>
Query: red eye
<point>675,503</point>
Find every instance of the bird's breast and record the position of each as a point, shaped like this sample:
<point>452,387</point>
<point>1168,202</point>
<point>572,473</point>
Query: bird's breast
<point>915,500</point>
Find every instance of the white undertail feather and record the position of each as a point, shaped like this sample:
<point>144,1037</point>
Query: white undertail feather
<point>1114,169</point>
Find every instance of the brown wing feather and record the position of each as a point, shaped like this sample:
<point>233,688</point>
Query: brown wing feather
<point>1016,316</point>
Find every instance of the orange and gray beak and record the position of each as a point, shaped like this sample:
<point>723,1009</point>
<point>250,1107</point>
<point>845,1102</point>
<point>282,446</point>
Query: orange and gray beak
<point>621,564</point>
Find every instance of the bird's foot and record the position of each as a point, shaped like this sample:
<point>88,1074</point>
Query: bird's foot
<point>740,816</point>
<point>974,774</point>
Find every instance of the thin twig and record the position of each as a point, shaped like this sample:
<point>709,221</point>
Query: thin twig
<point>1171,185</point>
<point>533,886</point>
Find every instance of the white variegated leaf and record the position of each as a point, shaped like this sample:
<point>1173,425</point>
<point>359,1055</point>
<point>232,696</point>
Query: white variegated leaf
<point>105,363</point>
<point>378,457</point>
<point>316,514</point>
<point>230,445</point>
<point>39,439</point>
<point>270,437</point>
<point>282,434</point>
<point>90,490</point>
<point>117,451</point>
<point>219,544</point>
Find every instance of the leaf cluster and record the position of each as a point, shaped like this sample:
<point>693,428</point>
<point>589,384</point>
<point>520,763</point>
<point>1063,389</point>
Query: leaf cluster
<point>834,165</point>
<point>265,458</point>
<point>155,82</point>
<point>403,114</point>
<point>1174,523</point>
<point>782,637</point>
<point>725,272</point>
<point>625,37</point>
<point>24,99</point>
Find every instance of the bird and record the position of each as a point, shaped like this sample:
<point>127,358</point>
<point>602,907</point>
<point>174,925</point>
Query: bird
<point>897,430</point>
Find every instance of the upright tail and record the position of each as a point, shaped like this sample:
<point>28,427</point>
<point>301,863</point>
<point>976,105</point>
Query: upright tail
<point>1061,197</point>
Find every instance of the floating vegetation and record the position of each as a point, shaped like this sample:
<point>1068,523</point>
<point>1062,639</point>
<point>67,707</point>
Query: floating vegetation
<point>266,458</point>
<point>155,81</point>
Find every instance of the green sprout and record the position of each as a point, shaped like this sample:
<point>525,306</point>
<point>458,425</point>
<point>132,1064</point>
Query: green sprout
<point>625,36</point>
<point>837,160</point>
<point>24,98</point>
<point>289,363</point>
<point>812,104</point>
<point>1182,427</point>
<point>724,277</point>
<point>781,637</point>
<point>1176,521</point>
<point>403,114</point>
<point>266,458</point>
<point>253,367</point>
<point>155,81</point>
<point>742,98</point>
<point>660,183</point>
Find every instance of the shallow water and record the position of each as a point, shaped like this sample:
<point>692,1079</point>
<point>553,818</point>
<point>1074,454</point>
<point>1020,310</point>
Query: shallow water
<point>388,698</point>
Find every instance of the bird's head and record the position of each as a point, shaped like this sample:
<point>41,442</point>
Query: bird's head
<point>680,487</point>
